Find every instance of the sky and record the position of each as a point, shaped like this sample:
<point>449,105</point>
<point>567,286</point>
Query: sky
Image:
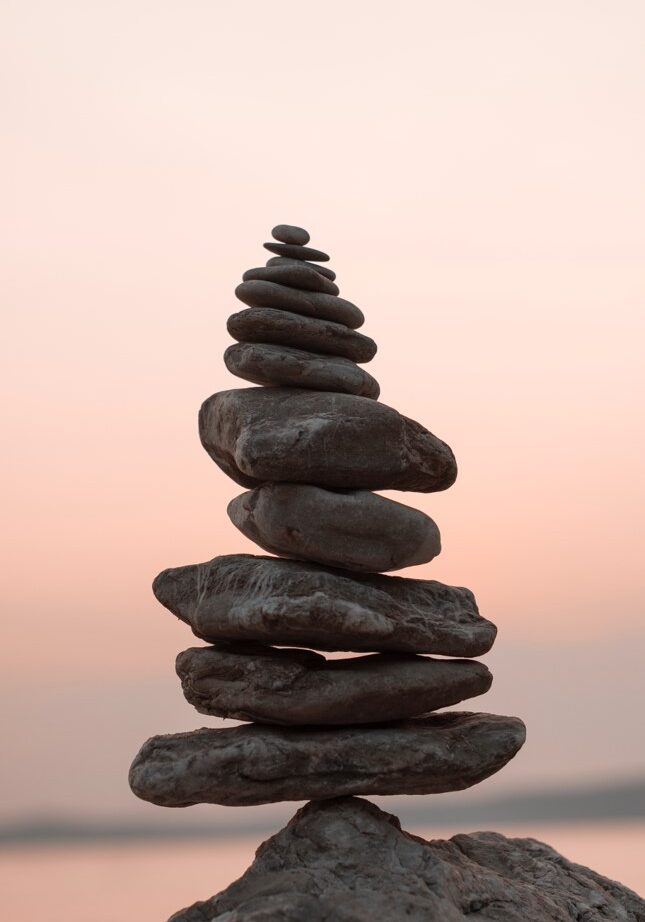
<point>476,172</point>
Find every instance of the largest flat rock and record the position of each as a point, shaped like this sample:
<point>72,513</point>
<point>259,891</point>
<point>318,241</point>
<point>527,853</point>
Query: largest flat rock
<point>383,873</point>
<point>340,441</point>
<point>287,602</point>
<point>256,764</point>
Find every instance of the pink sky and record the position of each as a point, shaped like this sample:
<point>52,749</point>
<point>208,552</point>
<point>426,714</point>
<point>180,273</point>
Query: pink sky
<point>476,171</point>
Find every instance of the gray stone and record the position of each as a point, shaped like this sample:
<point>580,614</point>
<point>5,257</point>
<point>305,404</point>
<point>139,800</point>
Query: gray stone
<point>290,233</point>
<point>283,366</point>
<point>257,764</point>
<point>267,685</point>
<point>266,325</point>
<point>310,303</point>
<point>357,530</point>
<point>338,441</point>
<point>295,275</point>
<point>347,861</point>
<point>290,603</point>
<point>296,252</point>
<point>287,261</point>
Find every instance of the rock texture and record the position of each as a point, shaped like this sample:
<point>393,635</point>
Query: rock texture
<point>256,764</point>
<point>267,325</point>
<point>316,304</point>
<point>283,366</point>
<point>285,602</point>
<point>293,275</point>
<point>290,233</point>
<point>356,530</point>
<point>293,687</point>
<point>332,440</point>
<point>289,261</point>
<point>292,251</point>
<point>346,861</point>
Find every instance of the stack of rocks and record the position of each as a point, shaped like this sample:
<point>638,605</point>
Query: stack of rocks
<point>311,445</point>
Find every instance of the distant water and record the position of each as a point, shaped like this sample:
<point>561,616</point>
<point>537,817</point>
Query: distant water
<point>151,880</point>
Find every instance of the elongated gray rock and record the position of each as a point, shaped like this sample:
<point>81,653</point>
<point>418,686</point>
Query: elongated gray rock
<point>267,325</point>
<point>290,233</point>
<point>356,530</point>
<point>283,366</point>
<point>347,861</point>
<point>296,252</point>
<point>294,276</point>
<point>257,764</point>
<point>273,686</point>
<point>289,603</point>
<point>288,261</point>
<point>309,303</point>
<point>338,441</point>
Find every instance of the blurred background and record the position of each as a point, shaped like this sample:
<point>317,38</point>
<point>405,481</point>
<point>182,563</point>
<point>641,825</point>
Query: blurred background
<point>475,170</point>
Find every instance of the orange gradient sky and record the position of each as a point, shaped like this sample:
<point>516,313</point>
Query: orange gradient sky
<point>476,171</point>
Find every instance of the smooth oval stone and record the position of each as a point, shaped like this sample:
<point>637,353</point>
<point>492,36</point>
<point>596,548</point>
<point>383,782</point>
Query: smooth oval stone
<point>338,441</point>
<point>357,530</point>
<point>286,367</point>
<point>289,603</point>
<point>267,325</point>
<point>286,261</point>
<point>290,233</point>
<point>256,764</point>
<point>296,252</point>
<point>310,303</point>
<point>291,687</point>
<point>294,276</point>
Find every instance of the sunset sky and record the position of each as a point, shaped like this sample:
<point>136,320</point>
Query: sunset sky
<point>475,170</point>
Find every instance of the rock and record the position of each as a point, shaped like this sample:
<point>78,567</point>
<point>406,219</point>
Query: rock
<point>310,303</point>
<point>283,366</point>
<point>289,603</point>
<point>296,252</point>
<point>287,261</point>
<point>266,325</point>
<point>357,530</point>
<point>273,686</point>
<point>257,764</point>
<point>346,860</point>
<point>338,441</point>
<point>290,233</point>
<point>294,275</point>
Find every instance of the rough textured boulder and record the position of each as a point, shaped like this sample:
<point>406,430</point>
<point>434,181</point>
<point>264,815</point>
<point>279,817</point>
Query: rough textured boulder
<point>286,602</point>
<point>295,276</point>
<point>301,687</point>
<point>258,764</point>
<point>259,434</point>
<point>283,366</point>
<point>310,303</point>
<point>347,861</point>
<point>267,325</point>
<point>356,530</point>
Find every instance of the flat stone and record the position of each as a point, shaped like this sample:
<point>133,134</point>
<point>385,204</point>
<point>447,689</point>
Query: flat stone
<point>266,325</point>
<point>283,366</point>
<point>355,530</point>
<point>286,261</point>
<point>347,861</point>
<point>296,252</point>
<point>290,233</point>
<point>290,603</point>
<point>310,303</point>
<point>294,276</point>
<point>257,764</point>
<point>268,685</point>
<point>338,441</point>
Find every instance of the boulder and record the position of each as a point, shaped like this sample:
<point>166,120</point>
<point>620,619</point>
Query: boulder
<point>290,687</point>
<point>256,764</point>
<point>355,530</point>
<point>288,261</point>
<point>290,233</point>
<point>339,441</point>
<point>289,603</point>
<point>257,293</point>
<point>346,860</point>
<point>293,251</point>
<point>283,366</point>
<point>297,275</point>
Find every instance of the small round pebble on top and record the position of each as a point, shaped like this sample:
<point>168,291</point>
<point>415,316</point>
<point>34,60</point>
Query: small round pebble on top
<point>289,233</point>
